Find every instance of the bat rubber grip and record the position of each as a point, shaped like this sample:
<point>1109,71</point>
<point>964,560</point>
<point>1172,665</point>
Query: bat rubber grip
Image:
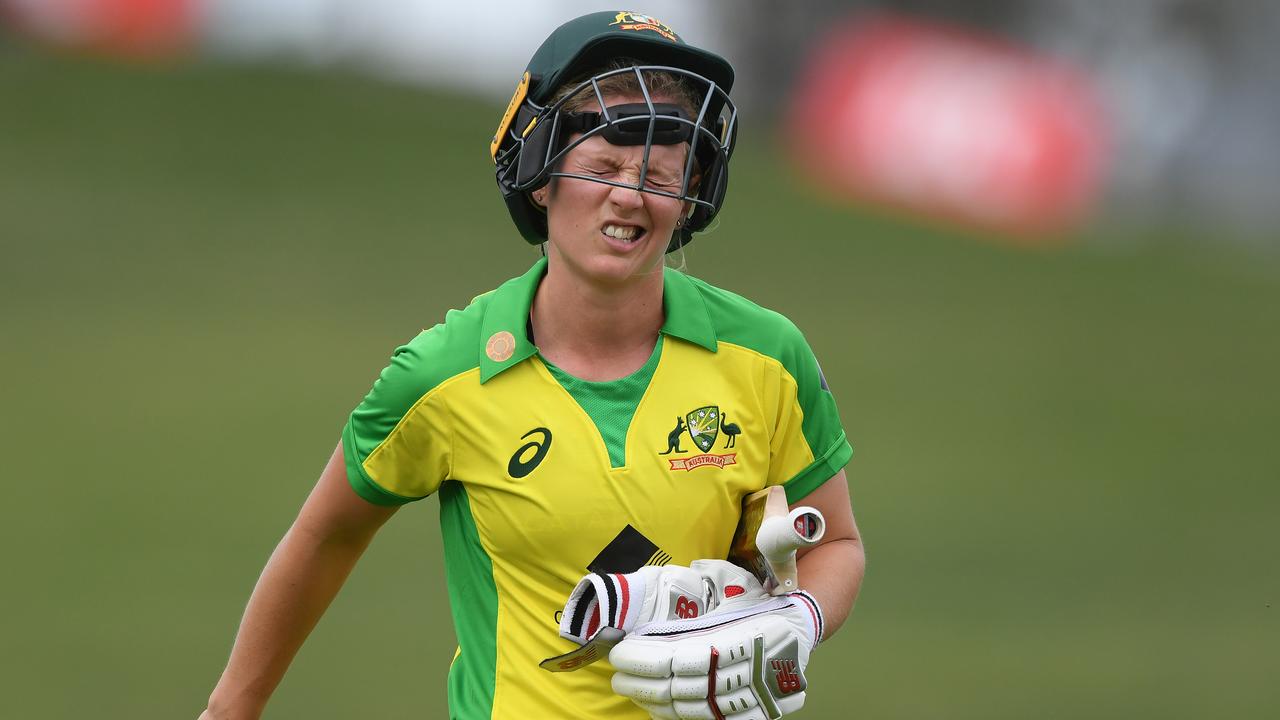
<point>781,536</point>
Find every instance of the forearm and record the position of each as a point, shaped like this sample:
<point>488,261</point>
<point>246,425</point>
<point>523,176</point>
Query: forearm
<point>300,580</point>
<point>832,572</point>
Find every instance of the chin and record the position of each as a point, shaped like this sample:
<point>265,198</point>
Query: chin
<point>621,269</point>
<point>597,262</point>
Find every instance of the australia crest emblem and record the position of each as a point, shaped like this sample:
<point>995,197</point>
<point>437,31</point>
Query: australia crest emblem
<point>704,426</point>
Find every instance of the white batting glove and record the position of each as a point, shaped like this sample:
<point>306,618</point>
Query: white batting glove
<point>652,594</point>
<point>604,607</point>
<point>743,661</point>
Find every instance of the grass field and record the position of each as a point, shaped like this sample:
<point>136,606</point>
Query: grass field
<point>1066,466</point>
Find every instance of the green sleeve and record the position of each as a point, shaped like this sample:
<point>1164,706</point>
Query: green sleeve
<point>820,428</point>
<point>387,421</point>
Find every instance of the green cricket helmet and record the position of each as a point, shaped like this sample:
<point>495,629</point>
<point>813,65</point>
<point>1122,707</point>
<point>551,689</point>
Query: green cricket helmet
<point>535,132</point>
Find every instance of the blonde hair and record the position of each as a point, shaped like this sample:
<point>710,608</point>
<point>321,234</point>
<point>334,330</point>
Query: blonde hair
<point>670,86</point>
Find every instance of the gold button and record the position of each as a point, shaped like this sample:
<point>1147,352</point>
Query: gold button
<point>500,346</point>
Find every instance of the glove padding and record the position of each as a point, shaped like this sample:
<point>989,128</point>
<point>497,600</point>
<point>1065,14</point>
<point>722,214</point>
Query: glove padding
<point>628,601</point>
<point>653,594</point>
<point>744,660</point>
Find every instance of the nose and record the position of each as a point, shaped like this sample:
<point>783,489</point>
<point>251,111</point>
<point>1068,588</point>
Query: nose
<point>626,197</point>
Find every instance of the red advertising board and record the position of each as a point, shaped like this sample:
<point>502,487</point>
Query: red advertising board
<point>124,27</point>
<point>951,125</point>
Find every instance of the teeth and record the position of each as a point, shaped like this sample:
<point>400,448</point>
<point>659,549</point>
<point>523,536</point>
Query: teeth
<point>621,233</point>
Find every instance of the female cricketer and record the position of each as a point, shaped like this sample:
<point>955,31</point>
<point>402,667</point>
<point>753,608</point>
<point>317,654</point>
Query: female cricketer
<point>591,428</point>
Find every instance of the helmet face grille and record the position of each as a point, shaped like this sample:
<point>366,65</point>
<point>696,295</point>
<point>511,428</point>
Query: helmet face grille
<point>538,138</point>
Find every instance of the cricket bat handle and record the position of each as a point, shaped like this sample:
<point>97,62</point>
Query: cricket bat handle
<point>781,536</point>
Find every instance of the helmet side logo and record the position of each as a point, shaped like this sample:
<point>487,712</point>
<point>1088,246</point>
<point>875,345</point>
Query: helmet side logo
<point>522,89</point>
<point>637,21</point>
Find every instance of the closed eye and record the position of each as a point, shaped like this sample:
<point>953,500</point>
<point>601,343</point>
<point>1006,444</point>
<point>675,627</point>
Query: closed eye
<point>663,182</point>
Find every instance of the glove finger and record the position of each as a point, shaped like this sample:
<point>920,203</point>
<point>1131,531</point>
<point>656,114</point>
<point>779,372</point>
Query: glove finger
<point>689,687</point>
<point>693,709</point>
<point>695,659</point>
<point>730,679</point>
<point>648,690</point>
<point>688,705</point>
<point>658,710</point>
<point>640,657</point>
<point>692,658</point>
<point>727,682</point>
<point>738,701</point>
<point>751,713</point>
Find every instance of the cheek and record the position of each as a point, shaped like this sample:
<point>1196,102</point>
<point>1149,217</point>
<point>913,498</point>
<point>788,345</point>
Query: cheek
<point>664,211</point>
<point>567,205</point>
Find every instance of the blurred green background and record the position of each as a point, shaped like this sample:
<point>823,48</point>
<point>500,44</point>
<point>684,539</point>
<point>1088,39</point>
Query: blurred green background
<point>1066,467</point>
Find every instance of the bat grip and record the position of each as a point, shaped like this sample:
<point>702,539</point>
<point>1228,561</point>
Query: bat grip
<point>781,536</point>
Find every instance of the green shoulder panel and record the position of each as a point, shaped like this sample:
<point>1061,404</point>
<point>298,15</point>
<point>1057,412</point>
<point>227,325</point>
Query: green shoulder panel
<point>740,321</point>
<point>494,320</point>
<point>435,355</point>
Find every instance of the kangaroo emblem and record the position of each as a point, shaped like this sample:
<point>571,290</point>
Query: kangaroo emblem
<point>731,431</point>
<point>673,438</point>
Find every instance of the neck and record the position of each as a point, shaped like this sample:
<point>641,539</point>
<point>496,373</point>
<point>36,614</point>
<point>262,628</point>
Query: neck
<point>597,332</point>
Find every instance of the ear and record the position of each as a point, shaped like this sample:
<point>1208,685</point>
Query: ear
<point>539,196</point>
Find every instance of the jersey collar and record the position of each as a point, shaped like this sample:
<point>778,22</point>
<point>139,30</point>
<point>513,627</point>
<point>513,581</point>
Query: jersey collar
<point>686,311</point>
<point>508,312</point>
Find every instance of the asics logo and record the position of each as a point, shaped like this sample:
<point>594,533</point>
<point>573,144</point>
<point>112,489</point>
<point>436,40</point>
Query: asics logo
<point>519,466</point>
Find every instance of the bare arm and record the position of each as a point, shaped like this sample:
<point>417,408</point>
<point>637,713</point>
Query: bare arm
<point>832,570</point>
<point>302,577</point>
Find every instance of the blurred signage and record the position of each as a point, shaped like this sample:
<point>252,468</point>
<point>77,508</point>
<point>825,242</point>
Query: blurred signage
<point>951,125</point>
<point>125,27</point>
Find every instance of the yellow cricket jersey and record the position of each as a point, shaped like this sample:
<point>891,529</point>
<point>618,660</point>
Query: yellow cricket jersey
<point>543,478</point>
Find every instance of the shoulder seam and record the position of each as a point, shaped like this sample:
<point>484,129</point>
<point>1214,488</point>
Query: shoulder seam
<point>413,409</point>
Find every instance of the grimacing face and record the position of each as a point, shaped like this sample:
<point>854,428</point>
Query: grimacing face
<point>608,234</point>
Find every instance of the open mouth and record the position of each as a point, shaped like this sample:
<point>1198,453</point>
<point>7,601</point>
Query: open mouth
<point>625,233</point>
